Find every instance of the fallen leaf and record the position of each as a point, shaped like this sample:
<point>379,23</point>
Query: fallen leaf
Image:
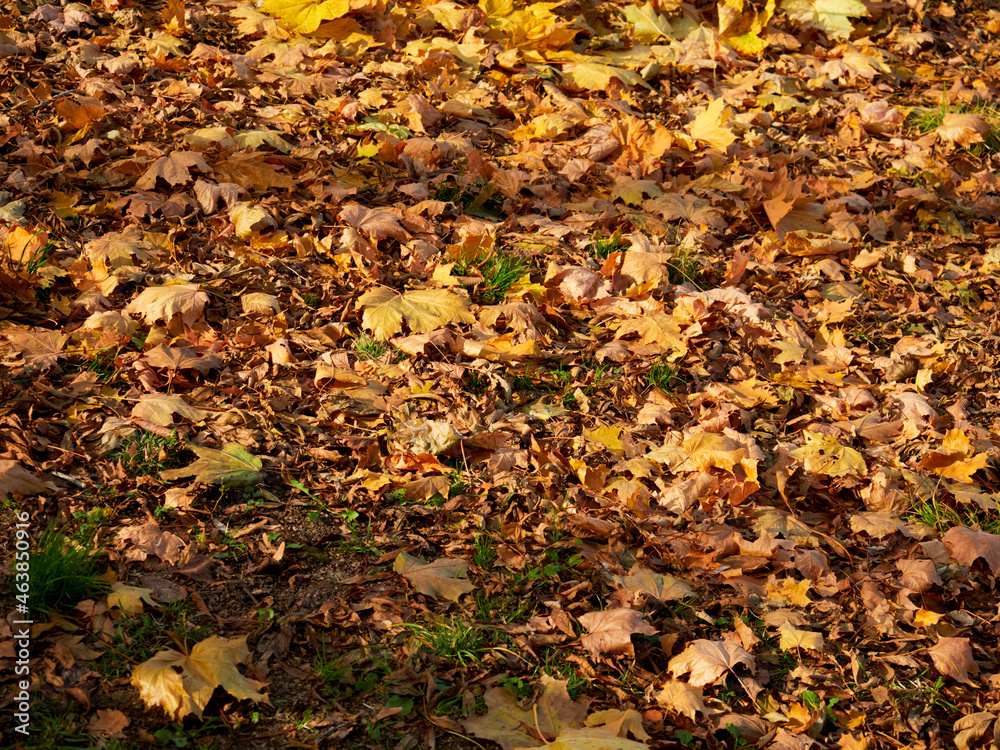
<point>423,310</point>
<point>513,727</point>
<point>822,454</point>
<point>16,480</point>
<point>611,631</point>
<point>967,546</point>
<point>183,684</point>
<point>708,661</point>
<point>792,638</point>
<point>710,126</point>
<point>952,657</point>
<point>682,698</point>
<point>185,301</point>
<point>661,587</point>
<point>233,466</point>
<point>444,578</point>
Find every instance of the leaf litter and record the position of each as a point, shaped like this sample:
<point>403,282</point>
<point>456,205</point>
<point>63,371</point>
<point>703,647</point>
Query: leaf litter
<point>556,374</point>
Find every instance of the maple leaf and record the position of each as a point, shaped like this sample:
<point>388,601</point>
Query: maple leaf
<point>21,245</point>
<point>952,657</point>
<point>108,722</point>
<point>662,331</point>
<point>443,578</point>
<point>822,454</point>
<point>423,310</point>
<point>305,16</point>
<point>40,349</point>
<point>233,466</point>
<point>967,546</point>
<point>681,697</point>
<point>159,409</point>
<point>593,76</point>
<point>740,29</point>
<point>611,631</point>
<point>181,358</point>
<point>647,24</point>
<point>513,727</point>
<point>129,598</point>
<point>16,480</point>
<point>791,638</point>
<point>183,684</point>
<point>175,169</point>
<point>590,739</point>
<point>832,16</point>
<point>710,126</point>
<point>115,250</point>
<point>661,587</point>
<point>964,128</point>
<point>707,661</point>
<point>418,435</point>
<point>377,224</point>
<point>149,539</point>
<point>154,303</point>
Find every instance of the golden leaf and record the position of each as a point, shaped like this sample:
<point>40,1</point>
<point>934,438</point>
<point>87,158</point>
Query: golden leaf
<point>423,310</point>
<point>710,126</point>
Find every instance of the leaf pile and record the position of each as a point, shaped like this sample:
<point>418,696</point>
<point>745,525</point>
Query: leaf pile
<point>437,374</point>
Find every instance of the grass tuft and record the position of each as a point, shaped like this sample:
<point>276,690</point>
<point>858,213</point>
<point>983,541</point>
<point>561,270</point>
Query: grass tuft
<point>602,247</point>
<point>63,573</point>
<point>369,348</point>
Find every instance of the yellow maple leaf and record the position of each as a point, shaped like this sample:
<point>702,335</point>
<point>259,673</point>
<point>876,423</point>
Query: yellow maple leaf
<point>423,309</point>
<point>183,684</point>
<point>305,16</point>
<point>792,638</point>
<point>822,454</point>
<point>647,25</point>
<point>186,301</point>
<point>710,126</point>
<point>790,591</point>
<point>741,29</point>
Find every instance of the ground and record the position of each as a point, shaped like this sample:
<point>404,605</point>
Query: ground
<point>438,375</point>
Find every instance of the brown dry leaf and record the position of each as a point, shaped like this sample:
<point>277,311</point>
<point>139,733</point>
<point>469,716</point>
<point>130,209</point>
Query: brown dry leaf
<point>952,657</point>
<point>159,408</point>
<point>971,728</point>
<point>181,358</point>
<point>185,301</point>
<point>683,698</point>
<point>708,661</point>
<point>661,587</point>
<point>183,684</point>
<point>662,331</point>
<point>512,727</point>
<point>16,480</point>
<point>175,169</point>
<point>376,223</point>
<point>967,546</point>
<point>964,128</point>
<point>611,631</point>
<point>149,539</point>
<point>595,738</point>
<point>108,723</point>
<point>40,349</point>
<point>423,310</point>
<point>444,578</point>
